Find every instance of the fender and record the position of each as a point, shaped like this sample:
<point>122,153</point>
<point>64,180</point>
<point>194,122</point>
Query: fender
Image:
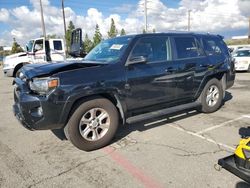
<point>111,94</point>
<point>218,72</point>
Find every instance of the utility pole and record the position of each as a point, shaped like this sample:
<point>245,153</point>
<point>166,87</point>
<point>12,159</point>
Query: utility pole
<point>64,24</point>
<point>189,21</point>
<point>249,29</point>
<point>64,18</point>
<point>145,16</point>
<point>42,20</point>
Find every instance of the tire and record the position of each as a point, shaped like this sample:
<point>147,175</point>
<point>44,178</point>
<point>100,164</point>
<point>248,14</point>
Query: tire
<point>211,96</point>
<point>93,124</point>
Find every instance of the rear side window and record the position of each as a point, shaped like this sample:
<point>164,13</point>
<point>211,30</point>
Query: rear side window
<point>186,47</point>
<point>153,48</point>
<point>57,45</point>
<point>214,46</point>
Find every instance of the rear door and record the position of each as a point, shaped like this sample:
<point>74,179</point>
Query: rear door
<point>188,59</point>
<point>150,83</point>
<point>57,51</point>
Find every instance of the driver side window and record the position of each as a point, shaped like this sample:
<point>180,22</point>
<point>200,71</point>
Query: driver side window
<point>38,45</point>
<point>154,49</point>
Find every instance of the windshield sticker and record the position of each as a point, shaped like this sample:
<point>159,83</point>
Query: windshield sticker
<point>116,47</point>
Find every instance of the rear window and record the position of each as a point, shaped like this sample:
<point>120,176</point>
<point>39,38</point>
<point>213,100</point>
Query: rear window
<point>186,47</point>
<point>214,46</point>
<point>57,45</point>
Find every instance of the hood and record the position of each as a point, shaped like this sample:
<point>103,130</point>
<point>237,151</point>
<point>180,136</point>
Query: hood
<point>48,69</point>
<point>15,55</point>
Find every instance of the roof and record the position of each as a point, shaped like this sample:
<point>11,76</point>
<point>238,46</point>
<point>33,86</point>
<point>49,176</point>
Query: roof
<point>171,33</point>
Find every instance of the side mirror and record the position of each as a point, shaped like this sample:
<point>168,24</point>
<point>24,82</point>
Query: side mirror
<point>76,47</point>
<point>137,60</point>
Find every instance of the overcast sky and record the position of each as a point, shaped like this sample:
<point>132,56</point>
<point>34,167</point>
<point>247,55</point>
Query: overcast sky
<point>21,18</point>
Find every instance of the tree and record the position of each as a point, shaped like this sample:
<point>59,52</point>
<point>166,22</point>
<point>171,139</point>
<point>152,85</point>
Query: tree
<point>154,30</point>
<point>16,47</point>
<point>71,27</point>
<point>144,31</point>
<point>112,31</point>
<point>52,36</point>
<point>87,44</point>
<point>123,32</point>
<point>97,36</point>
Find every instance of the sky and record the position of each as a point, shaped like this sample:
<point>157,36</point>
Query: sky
<point>20,19</point>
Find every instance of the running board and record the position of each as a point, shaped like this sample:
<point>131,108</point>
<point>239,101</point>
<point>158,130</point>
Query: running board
<point>162,112</point>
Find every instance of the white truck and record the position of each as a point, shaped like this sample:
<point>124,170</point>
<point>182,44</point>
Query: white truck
<point>37,51</point>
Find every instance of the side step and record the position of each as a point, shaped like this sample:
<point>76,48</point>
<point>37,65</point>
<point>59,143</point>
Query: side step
<point>162,112</point>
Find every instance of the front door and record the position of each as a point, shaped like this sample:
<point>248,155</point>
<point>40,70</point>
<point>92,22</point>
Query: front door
<point>152,82</point>
<point>39,55</point>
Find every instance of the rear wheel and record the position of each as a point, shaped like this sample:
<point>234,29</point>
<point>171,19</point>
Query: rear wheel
<point>93,124</point>
<point>211,97</point>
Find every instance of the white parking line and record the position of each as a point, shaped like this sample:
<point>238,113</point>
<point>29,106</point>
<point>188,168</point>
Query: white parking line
<point>202,137</point>
<point>220,125</point>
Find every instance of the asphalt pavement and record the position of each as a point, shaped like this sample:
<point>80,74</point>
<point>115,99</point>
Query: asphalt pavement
<point>176,151</point>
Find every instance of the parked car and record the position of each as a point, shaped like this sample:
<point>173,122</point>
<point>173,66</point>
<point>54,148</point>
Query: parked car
<point>234,48</point>
<point>124,80</point>
<point>242,60</point>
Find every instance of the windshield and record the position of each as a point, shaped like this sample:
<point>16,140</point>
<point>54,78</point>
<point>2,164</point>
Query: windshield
<point>29,46</point>
<point>243,53</point>
<point>109,51</point>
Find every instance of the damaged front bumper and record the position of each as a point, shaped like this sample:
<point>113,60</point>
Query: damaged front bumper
<point>36,112</point>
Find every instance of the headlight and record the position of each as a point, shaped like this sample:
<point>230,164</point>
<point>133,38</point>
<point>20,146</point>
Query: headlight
<point>43,85</point>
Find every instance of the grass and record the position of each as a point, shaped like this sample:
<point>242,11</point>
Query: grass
<point>237,41</point>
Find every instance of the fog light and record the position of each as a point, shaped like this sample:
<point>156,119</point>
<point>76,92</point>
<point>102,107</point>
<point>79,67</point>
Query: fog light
<point>37,112</point>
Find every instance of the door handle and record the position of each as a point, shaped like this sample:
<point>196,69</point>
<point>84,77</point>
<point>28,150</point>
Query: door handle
<point>170,69</point>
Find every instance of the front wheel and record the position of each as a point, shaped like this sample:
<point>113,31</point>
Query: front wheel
<point>93,124</point>
<point>211,97</point>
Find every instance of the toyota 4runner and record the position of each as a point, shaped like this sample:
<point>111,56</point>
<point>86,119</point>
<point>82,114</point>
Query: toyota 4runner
<point>124,80</point>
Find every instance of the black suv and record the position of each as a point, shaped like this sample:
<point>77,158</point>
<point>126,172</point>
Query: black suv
<point>124,80</point>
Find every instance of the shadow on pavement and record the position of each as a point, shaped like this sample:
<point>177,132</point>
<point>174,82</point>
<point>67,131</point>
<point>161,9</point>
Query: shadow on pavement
<point>149,124</point>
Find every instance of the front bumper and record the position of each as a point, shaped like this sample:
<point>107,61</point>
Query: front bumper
<point>241,66</point>
<point>37,112</point>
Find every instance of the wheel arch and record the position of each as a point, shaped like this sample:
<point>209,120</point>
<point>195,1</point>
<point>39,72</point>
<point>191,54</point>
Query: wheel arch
<point>221,76</point>
<point>17,67</point>
<point>113,98</point>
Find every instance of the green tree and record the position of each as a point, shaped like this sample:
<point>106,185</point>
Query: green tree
<point>112,31</point>
<point>16,47</point>
<point>144,31</point>
<point>87,44</point>
<point>97,36</point>
<point>52,36</point>
<point>123,32</point>
<point>154,30</point>
<point>71,27</point>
